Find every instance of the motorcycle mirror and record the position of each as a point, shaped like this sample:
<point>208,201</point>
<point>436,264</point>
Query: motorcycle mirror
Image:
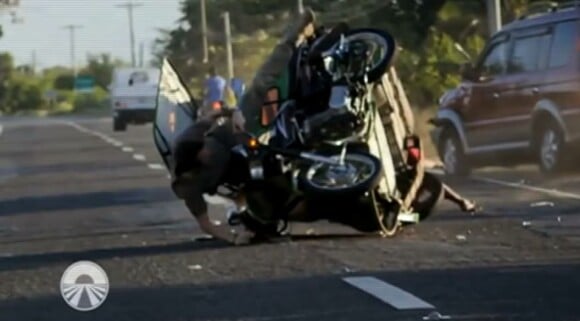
<point>270,106</point>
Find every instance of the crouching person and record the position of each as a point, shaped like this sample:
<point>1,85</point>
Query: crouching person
<point>202,159</point>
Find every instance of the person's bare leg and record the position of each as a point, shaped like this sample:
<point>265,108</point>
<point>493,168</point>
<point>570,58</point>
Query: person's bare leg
<point>463,203</point>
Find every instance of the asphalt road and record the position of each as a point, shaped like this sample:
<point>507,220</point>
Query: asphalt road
<point>71,189</point>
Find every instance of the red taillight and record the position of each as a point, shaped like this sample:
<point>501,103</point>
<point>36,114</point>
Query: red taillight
<point>217,105</point>
<point>414,153</point>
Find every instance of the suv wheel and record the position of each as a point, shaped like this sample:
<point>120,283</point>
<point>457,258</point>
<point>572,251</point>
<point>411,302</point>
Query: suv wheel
<point>119,125</point>
<point>452,154</point>
<point>550,145</point>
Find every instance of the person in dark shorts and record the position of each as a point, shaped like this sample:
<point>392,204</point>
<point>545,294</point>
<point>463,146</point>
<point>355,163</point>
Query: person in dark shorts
<point>202,156</point>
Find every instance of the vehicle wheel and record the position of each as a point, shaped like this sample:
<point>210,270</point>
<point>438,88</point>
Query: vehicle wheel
<point>549,148</point>
<point>452,154</point>
<point>360,174</point>
<point>383,47</point>
<point>119,125</point>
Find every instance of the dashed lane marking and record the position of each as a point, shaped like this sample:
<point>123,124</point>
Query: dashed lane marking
<point>139,157</point>
<point>156,166</point>
<point>127,149</point>
<point>390,294</point>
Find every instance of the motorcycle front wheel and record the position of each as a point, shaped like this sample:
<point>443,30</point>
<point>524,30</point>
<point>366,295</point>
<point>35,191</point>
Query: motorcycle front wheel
<point>359,174</point>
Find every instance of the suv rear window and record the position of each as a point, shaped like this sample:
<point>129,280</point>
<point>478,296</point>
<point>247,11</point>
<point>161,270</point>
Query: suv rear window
<point>563,44</point>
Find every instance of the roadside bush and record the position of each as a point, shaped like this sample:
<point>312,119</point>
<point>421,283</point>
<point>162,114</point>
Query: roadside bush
<point>25,95</point>
<point>98,99</point>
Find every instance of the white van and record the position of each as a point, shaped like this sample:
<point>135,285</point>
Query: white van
<point>133,93</point>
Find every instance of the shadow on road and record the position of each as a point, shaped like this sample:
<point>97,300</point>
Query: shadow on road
<point>65,168</point>
<point>34,261</point>
<point>547,292</point>
<point>37,204</point>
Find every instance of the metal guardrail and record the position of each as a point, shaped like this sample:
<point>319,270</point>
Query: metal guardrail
<point>543,7</point>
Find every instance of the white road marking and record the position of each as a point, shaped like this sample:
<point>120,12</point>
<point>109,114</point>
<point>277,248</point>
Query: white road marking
<point>1,129</point>
<point>387,293</point>
<point>551,192</point>
<point>139,157</point>
<point>127,149</point>
<point>156,166</point>
<point>547,191</point>
<point>105,137</point>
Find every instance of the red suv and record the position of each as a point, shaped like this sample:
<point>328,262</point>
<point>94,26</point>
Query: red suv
<point>520,101</point>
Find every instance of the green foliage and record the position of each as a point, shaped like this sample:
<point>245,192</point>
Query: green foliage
<point>64,82</point>
<point>101,67</point>
<point>427,32</point>
<point>98,99</point>
<point>22,91</point>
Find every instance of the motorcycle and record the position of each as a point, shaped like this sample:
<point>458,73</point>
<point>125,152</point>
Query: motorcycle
<point>330,147</point>
<point>335,156</point>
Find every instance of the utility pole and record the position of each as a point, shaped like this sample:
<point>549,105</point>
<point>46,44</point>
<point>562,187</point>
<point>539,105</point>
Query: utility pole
<point>494,16</point>
<point>141,53</point>
<point>300,6</point>
<point>229,51</point>
<point>33,62</point>
<point>204,31</point>
<point>73,62</point>
<point>130,6</point>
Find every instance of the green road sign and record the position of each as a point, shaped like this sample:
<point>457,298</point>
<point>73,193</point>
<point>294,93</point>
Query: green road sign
<point>84,84</point>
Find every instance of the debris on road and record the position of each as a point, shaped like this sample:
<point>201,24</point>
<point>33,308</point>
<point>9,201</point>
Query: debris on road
<point>436,316</point>
<point>195,267</point>
<point>205,237</point>
<point>346,269</point>
<point>461,237</point>
<point>526,223</point>
<point>559,219</point>
<point>542,204</point>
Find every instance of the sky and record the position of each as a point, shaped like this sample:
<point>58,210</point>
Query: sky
<point>105,29</point>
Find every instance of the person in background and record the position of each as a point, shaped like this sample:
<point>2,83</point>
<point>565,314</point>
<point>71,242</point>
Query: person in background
<point>215,86</point>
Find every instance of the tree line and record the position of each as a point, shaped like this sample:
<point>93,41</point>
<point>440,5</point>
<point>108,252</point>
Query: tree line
<point>427,32</point>
<point>23,89</point>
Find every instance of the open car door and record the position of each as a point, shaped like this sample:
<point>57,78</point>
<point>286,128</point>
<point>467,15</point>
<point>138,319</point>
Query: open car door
<point>175,110</point>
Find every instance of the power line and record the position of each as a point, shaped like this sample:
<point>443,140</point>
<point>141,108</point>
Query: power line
<point>130,6</point>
